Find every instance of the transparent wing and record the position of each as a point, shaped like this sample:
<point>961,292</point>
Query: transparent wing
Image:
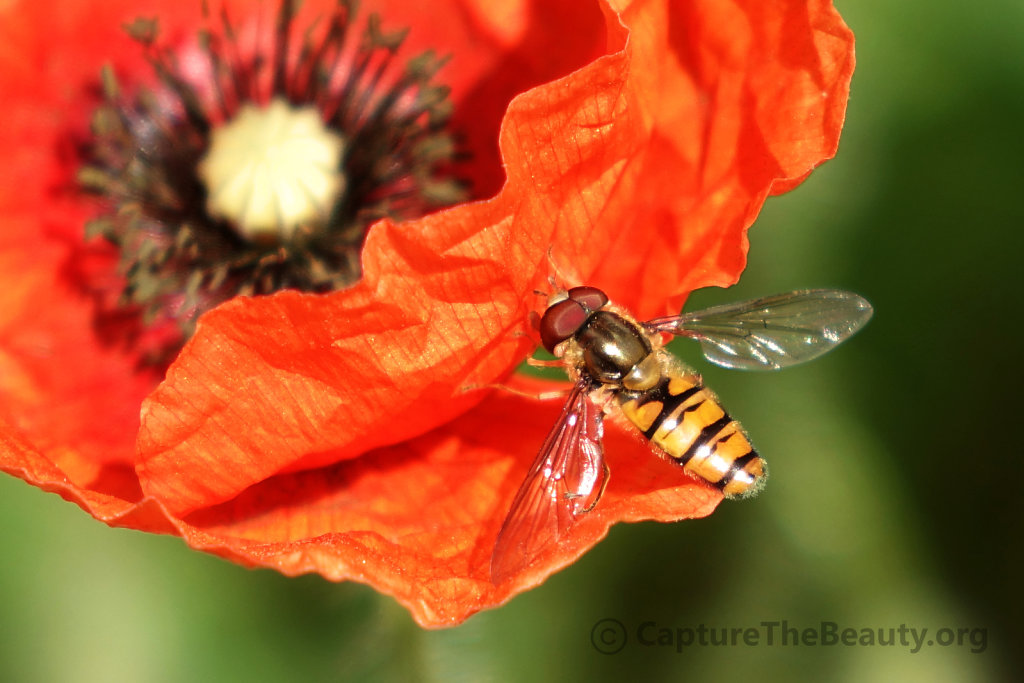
<point>565,481</point>
<point>773,332</point>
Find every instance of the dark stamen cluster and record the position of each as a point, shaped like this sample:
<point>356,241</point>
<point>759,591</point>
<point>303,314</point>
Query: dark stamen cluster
<point>177,260</point>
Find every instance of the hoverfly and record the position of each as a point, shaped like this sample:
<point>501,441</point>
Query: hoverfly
<point>618,364</point>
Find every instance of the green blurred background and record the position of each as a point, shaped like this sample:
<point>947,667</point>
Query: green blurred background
<point>895,461</point>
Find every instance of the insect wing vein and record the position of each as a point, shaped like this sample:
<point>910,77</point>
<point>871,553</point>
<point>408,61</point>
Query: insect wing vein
<point>564,481</point>
<point>772,332</point>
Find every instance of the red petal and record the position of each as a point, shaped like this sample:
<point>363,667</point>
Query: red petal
<point>418,520</point>
<point>81,418</point>
<point>736,100</point>
<point>640,171</point>
<point>74,397</point>
<point>655,165</point>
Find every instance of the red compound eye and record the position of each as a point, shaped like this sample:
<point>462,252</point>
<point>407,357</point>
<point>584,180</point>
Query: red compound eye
<point>590,298</point>
<point>561,321</point>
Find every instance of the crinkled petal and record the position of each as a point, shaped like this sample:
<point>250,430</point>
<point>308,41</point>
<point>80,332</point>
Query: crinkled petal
<point>417,520</point>
<point>341,433</point>
<point>645,166</point>
<point>737,99</point>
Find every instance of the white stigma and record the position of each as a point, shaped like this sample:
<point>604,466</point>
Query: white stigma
<point>273,169</point>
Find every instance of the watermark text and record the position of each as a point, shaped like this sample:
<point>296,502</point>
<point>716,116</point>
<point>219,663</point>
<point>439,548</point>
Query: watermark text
<point>611,635</point>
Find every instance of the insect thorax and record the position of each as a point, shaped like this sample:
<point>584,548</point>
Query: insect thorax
<point>612,349</point>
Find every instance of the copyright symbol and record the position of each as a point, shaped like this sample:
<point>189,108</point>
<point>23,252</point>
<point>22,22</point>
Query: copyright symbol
<point>608,636</point>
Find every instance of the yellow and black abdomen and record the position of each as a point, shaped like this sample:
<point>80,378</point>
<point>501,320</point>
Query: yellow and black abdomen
<point>685,420</point>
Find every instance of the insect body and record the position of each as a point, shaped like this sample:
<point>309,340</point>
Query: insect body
<point>685,420</point>
<point>618,363</point>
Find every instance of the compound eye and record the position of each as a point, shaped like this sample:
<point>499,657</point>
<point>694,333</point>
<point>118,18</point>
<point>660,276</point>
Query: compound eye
<point>561,321</point>
<point>590,298</point>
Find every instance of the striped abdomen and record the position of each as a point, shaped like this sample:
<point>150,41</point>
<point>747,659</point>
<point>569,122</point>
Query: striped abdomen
<point>684,419</point>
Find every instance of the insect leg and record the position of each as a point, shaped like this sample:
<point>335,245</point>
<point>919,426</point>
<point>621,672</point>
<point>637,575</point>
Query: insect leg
<point>600,491</point>
<point>541,363</point>
<point>566,279</point>
<point>538,396</point>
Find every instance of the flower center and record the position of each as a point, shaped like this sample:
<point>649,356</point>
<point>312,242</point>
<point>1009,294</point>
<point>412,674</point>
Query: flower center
<point>273,169</point>
<point>264,171</point>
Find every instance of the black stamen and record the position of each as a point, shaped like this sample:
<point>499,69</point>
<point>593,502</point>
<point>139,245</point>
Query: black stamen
<point>177,259</point>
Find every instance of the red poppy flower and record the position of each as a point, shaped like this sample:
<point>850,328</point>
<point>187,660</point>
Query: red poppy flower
<point>630,143</point>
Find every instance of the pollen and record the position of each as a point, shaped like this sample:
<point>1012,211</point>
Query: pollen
<point>273,169</point>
